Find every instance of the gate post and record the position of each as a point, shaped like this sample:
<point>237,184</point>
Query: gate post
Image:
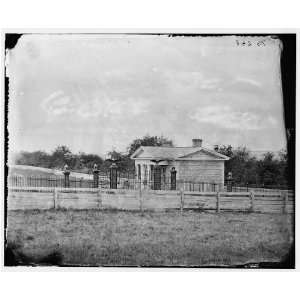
<point>67,174</point>
<point>96,176</point>
<point>113,176</point>
<point>229,182</point>
<point>157,177</point>
<point>173,178</point>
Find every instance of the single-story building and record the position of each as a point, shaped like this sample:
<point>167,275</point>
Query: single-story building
<point>192,164</point>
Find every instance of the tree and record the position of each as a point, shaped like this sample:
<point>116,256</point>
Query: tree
<point>148,140</point>
<point>283,167</point>
<point>124,162</point>
<point>62,155</point>
<point>268,170</point>
<point>58,158</point>
<point>87,161</point>
<point>36,158</point>
<point>242,165</point>
<point>225,150</point>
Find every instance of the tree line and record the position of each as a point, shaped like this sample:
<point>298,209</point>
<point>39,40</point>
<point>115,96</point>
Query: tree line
<point>269,170</point>
<point>84,162</point>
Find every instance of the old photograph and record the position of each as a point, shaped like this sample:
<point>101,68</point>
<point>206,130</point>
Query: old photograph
<point>150,150</point>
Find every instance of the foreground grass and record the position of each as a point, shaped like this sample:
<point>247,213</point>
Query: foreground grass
<point>107,238</point>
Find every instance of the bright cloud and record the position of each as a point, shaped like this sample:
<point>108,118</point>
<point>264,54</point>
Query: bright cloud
<point>228,118</point>
<point>60,104</point>
<point>95,92</point>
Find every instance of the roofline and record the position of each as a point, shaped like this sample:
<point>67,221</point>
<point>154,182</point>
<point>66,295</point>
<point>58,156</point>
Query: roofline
<point>178,159</point>
<point>136,152</point>
<point>216,153</point>
<point>221,156</point>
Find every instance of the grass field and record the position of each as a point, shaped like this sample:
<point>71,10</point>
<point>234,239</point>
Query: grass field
<point>108,238</point>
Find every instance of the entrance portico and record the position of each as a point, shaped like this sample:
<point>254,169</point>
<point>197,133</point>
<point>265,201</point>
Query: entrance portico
<point>145,170</point>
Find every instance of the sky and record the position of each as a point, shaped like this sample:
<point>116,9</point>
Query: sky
<point>94,93</point>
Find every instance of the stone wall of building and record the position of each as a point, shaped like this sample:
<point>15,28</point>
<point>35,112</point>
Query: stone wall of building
<point>201,171</point>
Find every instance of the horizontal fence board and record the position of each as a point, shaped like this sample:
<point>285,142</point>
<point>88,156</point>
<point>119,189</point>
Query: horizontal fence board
<point>269,195</point>
<point>209,194</point>
<point>78,203</point>
<point>201,202</point>
<point>290,210</point>
<point>30,189</point>
<point>117,201</point>
<point>204,198</point>
<point>290,206</point>
<point>264,209</point>
<point>234,199</point>
<point>77,190</point>
<point>77,196</point>
<point>31,194</point>
<point>155,204</point>
<point>262,202</point>
<point>168,193</point>
<point>234,194</point>
<point>28,201</point>
<point>235,205</point>
<point>270,199</point>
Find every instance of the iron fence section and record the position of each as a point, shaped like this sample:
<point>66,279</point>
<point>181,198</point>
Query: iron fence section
<point>124,181</point>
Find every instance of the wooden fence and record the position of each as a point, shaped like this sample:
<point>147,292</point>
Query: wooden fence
<point>24,198</point>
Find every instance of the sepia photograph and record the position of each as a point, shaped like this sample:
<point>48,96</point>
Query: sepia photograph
<point>150,150</point>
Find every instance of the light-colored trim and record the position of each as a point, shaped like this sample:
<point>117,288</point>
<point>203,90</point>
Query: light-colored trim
<point>136,152</point>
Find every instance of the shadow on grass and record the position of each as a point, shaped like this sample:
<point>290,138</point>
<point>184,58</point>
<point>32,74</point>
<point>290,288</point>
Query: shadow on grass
<point>14,256</point>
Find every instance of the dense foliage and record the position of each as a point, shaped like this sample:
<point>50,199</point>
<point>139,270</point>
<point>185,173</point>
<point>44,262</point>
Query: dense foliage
<point>247,169</point>
<point>58,158</point>
<point>148,140</point>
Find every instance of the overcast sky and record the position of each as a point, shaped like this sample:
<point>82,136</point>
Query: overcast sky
<point>94,93</point>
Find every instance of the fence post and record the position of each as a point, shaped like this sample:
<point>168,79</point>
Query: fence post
<point>229,182</point>
<point>99,196</point>
<point>218,202</point>
<point>140,196</point>
<point>55,198</point>
<point>181,199</point>
<point>173,178</point>
<point>285,200</point>
<point>113,176</point>
<point>252,201</point>
<point>67,174</point>
<point>95,177</point>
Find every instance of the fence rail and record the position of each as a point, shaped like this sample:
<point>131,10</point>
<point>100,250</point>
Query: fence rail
<point>261,189</point>
<point>24,198</point>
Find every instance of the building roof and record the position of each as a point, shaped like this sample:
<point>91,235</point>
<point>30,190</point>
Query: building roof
<point>177,153</point>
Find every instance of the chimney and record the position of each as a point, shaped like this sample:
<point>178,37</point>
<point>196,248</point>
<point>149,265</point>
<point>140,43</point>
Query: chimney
<point>197,142</point>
